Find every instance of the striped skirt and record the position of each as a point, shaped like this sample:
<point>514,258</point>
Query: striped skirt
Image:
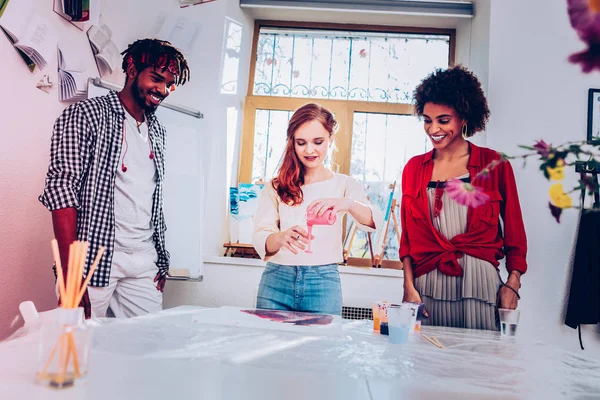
<point>467,301</point>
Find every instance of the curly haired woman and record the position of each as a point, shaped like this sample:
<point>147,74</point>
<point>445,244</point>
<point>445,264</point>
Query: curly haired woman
<point>450,251</point>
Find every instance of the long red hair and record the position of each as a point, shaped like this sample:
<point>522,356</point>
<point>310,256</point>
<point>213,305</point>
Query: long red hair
<point>290,178</point>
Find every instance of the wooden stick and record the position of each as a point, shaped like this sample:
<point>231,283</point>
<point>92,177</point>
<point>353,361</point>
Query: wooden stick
<point>90,273</point>
<point>373,261</point>
<point>76,268</point>
<point>351,240</point>
<point>65,363</point>
<point>77,273</point>
<point>52,353</point>
<point>395,221</point>
<point>437,341</point>
<point>59,272</point>
<point>431,341</point>
<point>63,354</point>
<point>70,281</point>
<point>75,356</point>
<point>79,270</point>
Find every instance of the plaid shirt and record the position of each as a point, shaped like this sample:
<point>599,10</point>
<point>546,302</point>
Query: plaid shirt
<point>84,157</point>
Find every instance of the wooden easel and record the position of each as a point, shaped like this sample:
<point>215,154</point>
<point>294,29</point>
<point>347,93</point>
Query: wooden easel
<point>348,244</point>
<point>378,258</point>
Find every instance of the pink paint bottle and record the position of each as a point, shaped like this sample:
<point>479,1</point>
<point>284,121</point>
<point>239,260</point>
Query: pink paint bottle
<point>328,218</point>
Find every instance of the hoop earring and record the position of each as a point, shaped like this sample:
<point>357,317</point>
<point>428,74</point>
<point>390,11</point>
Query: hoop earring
<point>464,132</point>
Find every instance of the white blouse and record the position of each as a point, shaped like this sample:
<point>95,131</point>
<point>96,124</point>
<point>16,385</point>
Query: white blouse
<point>273,216</point>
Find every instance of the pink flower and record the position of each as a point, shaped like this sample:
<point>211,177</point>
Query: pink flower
<point>556,211</point>
<point>362,53</point>
<point>543,149</point>
<point>466,194</point>
<point>588,58</point>
<point>296,73</point>
<point>585,19</point>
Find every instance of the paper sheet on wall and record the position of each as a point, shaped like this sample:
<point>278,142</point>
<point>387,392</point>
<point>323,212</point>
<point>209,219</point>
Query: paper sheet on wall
<point>180,31</point>
<point>32,35</point>
<point>75,66</point>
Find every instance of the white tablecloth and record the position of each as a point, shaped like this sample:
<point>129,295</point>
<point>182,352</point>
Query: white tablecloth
<point>190,353</point>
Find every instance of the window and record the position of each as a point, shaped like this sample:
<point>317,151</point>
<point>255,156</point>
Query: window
<point>365,75</point>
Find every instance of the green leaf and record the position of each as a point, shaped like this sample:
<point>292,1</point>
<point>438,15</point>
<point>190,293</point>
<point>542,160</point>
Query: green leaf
<point>545,171</point>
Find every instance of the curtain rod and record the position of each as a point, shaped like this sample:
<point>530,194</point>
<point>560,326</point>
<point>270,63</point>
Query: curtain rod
<point>441,8</point>
<point>182,109</point>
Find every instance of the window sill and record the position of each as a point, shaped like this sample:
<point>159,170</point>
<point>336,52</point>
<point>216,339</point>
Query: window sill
<point>253,262</point>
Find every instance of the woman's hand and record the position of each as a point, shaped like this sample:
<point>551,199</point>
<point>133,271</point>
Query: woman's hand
<point>412,296</point>
<point>318,207</point>
<point>294,239</point>
<point>508,298</point>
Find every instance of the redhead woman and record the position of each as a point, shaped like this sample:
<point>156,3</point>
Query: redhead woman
<point>294,279</point>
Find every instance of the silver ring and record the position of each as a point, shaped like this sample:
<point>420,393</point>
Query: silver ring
<point>297,237</point>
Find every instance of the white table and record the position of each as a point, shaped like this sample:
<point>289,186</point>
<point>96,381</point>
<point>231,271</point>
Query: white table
<point>174,355</point>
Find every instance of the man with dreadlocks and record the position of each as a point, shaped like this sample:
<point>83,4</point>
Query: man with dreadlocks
<point>106,178</point>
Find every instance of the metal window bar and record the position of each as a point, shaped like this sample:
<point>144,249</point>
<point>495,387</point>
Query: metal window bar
<point>266,82</point>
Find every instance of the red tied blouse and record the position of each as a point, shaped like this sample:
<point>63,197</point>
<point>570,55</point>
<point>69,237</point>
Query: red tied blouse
<point>484,237</point>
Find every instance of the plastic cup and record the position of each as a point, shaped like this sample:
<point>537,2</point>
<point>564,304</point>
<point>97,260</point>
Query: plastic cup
<point>383,307</point>
<point>509,320</point>
<point>376,319</point>
<point>418,326</point>
<point>64,348</point>
<point>415,309</point>
<point>383,317</point>
<point>399,323</point>
<point>328,218</point>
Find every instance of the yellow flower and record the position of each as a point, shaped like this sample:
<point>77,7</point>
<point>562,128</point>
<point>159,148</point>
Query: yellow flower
<point>557,173</point>
<point>558,196</point>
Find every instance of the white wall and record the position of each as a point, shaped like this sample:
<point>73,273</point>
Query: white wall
<point>535,93</point>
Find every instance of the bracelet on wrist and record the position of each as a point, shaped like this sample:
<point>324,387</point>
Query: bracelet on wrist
<point>517,275</point>
<point>517,293</point>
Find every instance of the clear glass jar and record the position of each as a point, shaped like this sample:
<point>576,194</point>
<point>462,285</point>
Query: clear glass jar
<point>64,349</point>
